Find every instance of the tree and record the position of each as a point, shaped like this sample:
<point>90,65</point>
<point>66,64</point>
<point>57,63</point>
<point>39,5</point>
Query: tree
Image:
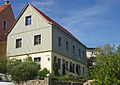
<point>22,71</point>
<point>3,65</point>
<point>107,68</point>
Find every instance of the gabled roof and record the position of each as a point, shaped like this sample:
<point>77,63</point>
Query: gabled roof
<point>3,7</point>
<point>47,18</point>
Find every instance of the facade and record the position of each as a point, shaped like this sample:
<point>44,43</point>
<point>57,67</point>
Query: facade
<point>6,20</point>
<point>38,36</point>
<point>91,56</point>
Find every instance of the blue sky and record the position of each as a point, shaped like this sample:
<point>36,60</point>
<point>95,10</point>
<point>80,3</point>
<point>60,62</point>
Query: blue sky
<point>93,22</point>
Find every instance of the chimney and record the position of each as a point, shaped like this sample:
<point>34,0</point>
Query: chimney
<point>6,2</point>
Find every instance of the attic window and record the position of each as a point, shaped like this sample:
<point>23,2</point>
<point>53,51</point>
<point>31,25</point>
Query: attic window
<point>4,25</point>
<point>28,20</point>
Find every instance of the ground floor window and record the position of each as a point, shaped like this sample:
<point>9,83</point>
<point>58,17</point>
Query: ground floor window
<point>83,70</point>
<point>38,60</point>
<point>79,68</point>
<point>59,63</point>
<point>66,65</point>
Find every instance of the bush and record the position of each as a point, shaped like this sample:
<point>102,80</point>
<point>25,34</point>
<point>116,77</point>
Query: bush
<point>22,71</point>
<point>107,68</point>
<point>69,77</point>
<point>3,65</point>
<point>43,73</point>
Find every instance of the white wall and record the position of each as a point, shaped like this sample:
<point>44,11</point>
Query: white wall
<point>39,26</point>
<point>44,59</point>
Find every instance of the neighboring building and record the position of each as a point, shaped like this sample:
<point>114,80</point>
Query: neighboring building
<point>91,56</point>
<point>6,20</point>
<point>38,36</point>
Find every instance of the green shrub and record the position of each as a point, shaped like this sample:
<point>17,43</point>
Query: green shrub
<point>22,71</point>
<point>107,68</point>
<point>3,65</point>
<point>43,73</point>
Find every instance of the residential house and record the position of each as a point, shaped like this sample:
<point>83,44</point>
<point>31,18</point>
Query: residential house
<point>91,56</point>
<point>40,37</point>
<point>6,20</point>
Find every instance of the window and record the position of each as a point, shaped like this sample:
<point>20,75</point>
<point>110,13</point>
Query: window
<point>79,70</point>
<point>59,63</point>
<point>79,52</point>
<point>73,68</point>
<point>59,41</point>
<point>37,39</point>
<point>38,60</point>
<point>67,45</point>
<point>83,70</point>
<point>18,43</point>
<point>83,53</point>
<point>48,59</point>
<point>70,66</point>
<point>28,20</point>
<point>73,49</point>
<point>66,65</point>
<point>4,25</point>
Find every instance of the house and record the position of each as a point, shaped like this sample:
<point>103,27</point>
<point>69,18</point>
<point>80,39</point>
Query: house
<point>6,20</point>
<point>91,56</point>
<point>40,37</point>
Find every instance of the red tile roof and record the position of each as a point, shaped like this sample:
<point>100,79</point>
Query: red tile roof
<point>48,19</point>
<point>3,7</point>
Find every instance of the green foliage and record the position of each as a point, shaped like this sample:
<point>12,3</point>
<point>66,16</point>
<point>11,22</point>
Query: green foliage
<point>3,65</point>
<point>69,77</point>
<point>107,68</point>
<point>55,67</point>
<point>22,71</point>
<point>28,58</point>
<point>43,73</point>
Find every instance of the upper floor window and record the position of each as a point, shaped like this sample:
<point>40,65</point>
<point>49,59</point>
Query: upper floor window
<point>67,45</point>
<point>4,25</point>
<point>59,63</point>
<point>73,49</point>
<point>80,52</point>
<point>28,20</point>
<point>19,43</point>
<point>83,53</point>
<point>59,41</point>
<point>37,39</point>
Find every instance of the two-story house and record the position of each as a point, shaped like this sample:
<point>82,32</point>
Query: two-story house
<point>40,37</point>
<point>6,20</point>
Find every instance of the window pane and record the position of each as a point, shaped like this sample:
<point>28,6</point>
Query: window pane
<point>4,24</point>
<point>37,39</point>
<point>59,41</point>
<point>59,63</point>
<point>38,60</point>
<point>79,52</point>
<point>18,43</point>
<point>67,47</point>
<point>73,49</point>
<point>66,65</point>
<point>28,20</point>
